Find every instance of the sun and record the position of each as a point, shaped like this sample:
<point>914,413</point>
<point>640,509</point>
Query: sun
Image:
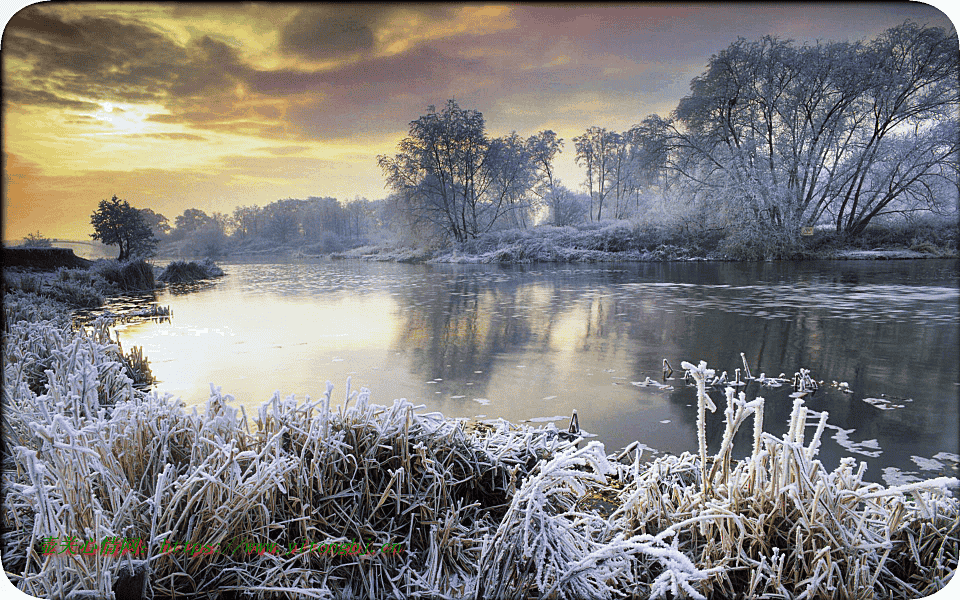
<point>120,119</point>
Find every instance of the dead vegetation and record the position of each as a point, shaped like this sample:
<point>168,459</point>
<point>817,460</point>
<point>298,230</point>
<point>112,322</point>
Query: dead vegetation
<point>497,512</point>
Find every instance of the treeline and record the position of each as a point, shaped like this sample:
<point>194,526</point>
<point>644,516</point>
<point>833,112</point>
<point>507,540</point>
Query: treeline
<point>316,224</point>
<point>774,137</point>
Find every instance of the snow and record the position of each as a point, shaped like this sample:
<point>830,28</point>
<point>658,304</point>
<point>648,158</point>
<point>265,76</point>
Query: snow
<point>878,254</point>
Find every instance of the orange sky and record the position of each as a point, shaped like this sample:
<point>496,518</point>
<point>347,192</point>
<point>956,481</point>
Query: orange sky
<point>174,106</point>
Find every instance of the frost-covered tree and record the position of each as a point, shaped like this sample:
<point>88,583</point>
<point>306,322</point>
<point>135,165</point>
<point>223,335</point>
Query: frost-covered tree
<point>566,207</point>
<point>512,177</point>
<point>157,223</point>
<point>784,136</point>
<point>542,148</point>
<point>450,179</point>
<point>595,152</point>
<point>116,223</point>
<point>190,221</point>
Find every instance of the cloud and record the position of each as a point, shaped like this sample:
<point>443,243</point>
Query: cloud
<point>283,150</point>
<point>168,136</point>
<point>329,32</point>
<point>37,97</point>
<point>90,57</point>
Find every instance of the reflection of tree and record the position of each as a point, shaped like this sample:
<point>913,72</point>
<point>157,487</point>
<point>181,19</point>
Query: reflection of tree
<point>638,314</point>
<point>462,327</point>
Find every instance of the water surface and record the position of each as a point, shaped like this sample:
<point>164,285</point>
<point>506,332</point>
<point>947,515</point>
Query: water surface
<point>527,342</point>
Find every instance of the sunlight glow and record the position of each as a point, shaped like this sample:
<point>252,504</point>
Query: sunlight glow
<point>123,119</point>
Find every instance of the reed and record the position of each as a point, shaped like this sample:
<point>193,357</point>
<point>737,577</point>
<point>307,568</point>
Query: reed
<point>775,524</point>
<point>491,511</point>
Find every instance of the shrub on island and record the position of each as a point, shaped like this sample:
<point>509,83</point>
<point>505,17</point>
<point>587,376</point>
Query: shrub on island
<point>181,271</point>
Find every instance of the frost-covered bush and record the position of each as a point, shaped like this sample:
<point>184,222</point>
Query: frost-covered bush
<point>75,294</point>
<point>181,271</point>
<point>92,457</point>
<point>126,276</point>
<point>753,241</point>
<point>588,242</point>
<point>28,283</point>
<point>703,525</point>
<point>22,306</point>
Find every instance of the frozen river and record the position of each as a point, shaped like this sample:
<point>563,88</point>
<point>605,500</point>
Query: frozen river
<point>528,342</point>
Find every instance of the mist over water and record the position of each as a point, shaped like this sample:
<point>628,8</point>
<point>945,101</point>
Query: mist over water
<point>537,341</point>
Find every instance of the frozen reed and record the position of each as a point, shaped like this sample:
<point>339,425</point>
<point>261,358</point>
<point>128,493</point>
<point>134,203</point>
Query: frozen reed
<point>776,524</point>
<point>496,511</point>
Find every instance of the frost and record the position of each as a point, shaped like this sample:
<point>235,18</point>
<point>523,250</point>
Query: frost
<point>483,509</point>
<point>651,383</point>
<point>928,464</point>
<point>894,476</point>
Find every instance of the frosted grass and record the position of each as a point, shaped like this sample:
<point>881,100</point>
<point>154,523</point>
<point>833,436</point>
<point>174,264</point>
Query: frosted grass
<point>482,510</point>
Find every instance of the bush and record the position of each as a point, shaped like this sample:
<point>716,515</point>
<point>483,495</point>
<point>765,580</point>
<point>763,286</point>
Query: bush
<point>127,276</point>
<point>23,306</point>
<point>36,240</point>
<point>751,241</point>
<point>181,271</point>
<point>25,282</point>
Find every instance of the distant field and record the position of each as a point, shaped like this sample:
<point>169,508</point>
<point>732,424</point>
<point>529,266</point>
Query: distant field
<point>89,250</point>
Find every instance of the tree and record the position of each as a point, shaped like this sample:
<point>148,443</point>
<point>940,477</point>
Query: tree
<point>787,136</point>
<point>511,179</point>
<point>191,220</point>
<point>596,152</point>
<point>116,223</point>
<point>448,177</point>
<point>567,208</point>
<point>157,223</point>
<point>542,148</point>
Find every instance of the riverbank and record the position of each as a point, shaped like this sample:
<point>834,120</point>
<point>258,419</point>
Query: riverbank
<point>609,241</point>
<point>490,511</point>
<point>624,241</point>
<point>59,275</point>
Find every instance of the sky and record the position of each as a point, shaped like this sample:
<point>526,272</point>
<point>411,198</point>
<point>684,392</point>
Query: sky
<point>173,106</point>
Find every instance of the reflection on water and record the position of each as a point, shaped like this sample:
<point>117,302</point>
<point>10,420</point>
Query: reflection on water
<point>533,341</point>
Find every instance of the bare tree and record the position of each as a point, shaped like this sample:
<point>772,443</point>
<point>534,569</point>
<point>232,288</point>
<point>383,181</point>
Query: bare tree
<point>595,152</point>
<point>446,174</point>
<point>848,131</point>
<point>543,149</point>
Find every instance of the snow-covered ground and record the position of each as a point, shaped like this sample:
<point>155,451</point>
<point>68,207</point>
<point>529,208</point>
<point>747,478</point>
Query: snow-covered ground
<point>880,254</point>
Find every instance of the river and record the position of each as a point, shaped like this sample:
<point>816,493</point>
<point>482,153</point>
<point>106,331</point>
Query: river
<point>532,343</point>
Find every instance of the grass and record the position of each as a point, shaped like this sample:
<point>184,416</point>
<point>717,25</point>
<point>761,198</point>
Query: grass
<point>491,512</point>
<point>86,287</point>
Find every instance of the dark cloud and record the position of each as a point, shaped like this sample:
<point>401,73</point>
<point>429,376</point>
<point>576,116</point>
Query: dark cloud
<point>374,77</point>
<point>107,59</point>
<point>335,32</point>
<point>329,32</point>
<point>91,57</point>
<point>37,97</point>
